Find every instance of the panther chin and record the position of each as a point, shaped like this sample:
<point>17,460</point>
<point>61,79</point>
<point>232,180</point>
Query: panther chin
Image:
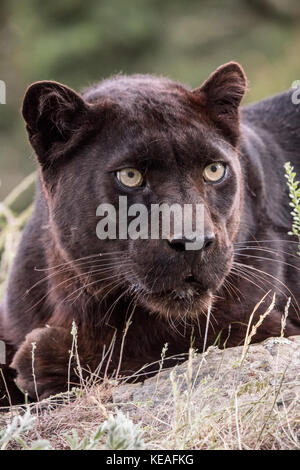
<point>188,301</point>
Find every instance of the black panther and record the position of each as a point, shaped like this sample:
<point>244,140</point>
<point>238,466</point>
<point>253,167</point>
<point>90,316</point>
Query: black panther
<point>154,141</point>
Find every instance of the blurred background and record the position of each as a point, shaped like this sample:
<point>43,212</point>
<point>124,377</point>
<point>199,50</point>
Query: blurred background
<point>79,42</point>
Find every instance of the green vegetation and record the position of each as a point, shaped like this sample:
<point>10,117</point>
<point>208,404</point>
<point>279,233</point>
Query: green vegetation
<point>118,432</point>
<point>294,193</point>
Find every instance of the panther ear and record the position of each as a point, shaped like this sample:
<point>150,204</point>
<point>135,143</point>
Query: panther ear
<point>54,114</point>
<point>221,95</point>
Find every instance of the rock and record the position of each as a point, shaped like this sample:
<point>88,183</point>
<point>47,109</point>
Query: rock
<point>218,379</point>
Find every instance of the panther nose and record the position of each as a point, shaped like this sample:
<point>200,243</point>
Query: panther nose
<point>180,242</point>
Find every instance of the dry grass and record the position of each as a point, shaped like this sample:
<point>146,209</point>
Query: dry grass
<point>266,417</point>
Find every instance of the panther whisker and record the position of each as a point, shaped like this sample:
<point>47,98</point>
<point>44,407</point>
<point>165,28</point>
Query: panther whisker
<point>76,260</point>
<point>267,250</point>
<point>268,259</point>
<point>276,279</point>
<point>240,273</point>
<point>98,271</point>
<point>276,240</point>
<point>57,273</point>
<point>89,285</point>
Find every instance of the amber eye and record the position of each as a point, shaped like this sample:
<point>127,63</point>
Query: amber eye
<point>130,177</point>
<point>214,172</point>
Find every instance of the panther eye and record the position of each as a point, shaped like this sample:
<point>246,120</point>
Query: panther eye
<point>130,177</point>
<point>214,172</point>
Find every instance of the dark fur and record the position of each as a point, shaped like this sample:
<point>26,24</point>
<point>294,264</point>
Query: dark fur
<point>170,133</point>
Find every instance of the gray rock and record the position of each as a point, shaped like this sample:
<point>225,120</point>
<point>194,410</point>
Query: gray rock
<point>217,380</point>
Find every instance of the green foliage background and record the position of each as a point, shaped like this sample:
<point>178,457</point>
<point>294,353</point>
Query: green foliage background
<point>78,42</point>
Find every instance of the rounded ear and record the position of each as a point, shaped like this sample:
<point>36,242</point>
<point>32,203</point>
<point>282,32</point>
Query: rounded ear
<point>53,114</point>
<point>221,95</point>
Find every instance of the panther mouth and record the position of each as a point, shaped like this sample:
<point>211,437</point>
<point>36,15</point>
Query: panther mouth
<point>189,291</point>
<point>189,298</point>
